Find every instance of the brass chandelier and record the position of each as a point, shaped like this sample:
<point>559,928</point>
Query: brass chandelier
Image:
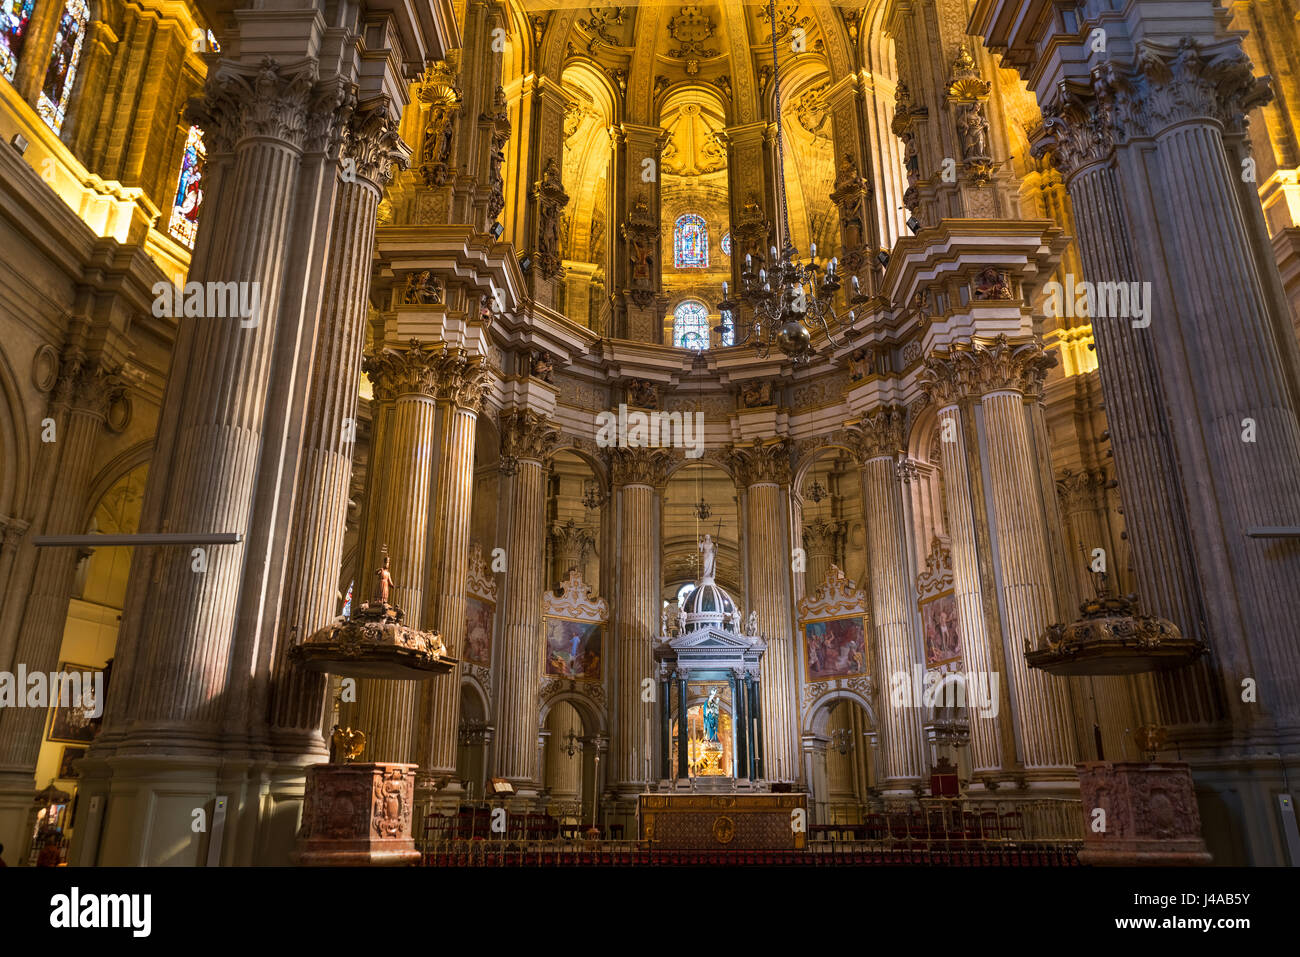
<point>789,299</point>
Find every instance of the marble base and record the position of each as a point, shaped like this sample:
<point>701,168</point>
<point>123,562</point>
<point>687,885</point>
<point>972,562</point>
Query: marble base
<point>357,815</point>
<point>1151,815</point>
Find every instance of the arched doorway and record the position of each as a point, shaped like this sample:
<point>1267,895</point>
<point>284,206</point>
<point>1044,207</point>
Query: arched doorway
<point>571,750</point>
<point>840,758</point>
<point>471,754</point>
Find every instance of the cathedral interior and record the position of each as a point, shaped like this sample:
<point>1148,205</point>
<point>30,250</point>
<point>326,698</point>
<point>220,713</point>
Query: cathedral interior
<point>882,415</point>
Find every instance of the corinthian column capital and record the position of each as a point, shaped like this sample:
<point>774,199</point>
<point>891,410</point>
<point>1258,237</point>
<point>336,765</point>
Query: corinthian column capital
<point>1080,490</point>
<point>372,144</point>
<point>462,380</point>
<point>880,434</point>
<point>762,463</point>
<point>980,369</point>
<point>822,538</point>
<point>637,466</point>
<point>241,100</point>
<point>1190,81</point>
<point>525,434</point>
<point>395,372</point>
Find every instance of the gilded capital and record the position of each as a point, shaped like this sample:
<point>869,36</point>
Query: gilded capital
<point>242,100</point>
<point>822,538</point>
<point>412,370</point>
<point>372,145</point>
<point>462,380</point>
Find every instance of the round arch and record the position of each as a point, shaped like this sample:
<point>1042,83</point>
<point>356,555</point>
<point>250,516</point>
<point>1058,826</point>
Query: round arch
<point>14,447</point>
<point>593,717</point>
<point>818,715</point>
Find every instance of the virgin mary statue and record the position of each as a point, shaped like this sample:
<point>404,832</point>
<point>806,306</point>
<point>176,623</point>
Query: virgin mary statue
<point>711,717</point>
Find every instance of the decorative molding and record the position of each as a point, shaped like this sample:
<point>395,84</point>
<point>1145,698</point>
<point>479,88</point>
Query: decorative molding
<point>525,434</point>
<point>575,601</point>
<point>978,370</point>
<point>937,576</point>
<point>835,596</point>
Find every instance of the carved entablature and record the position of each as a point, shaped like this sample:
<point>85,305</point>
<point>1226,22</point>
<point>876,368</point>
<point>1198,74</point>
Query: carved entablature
<point>937,576</point>
<point>835,595</point>
<point>764,462</point>
<point>525,434</point>
<point>949,377</point>
<point>575,601</point>
<point>880,434</point>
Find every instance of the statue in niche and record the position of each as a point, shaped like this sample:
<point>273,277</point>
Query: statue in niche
<point>438,134</point>
<point>755,394</point>
<point>642,394</point>
<point>974,130</point>
<point>710,553</point>
<point>753,622</point>
<point>711,709</point>
<point>992,284</point>
<point>541,367</point>
<point>420,289</point>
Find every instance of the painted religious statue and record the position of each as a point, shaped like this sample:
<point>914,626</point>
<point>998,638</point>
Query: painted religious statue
<point>711,709</point>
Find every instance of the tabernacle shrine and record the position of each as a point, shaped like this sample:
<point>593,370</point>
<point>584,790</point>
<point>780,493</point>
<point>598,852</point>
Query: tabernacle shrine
<point>534,432</point>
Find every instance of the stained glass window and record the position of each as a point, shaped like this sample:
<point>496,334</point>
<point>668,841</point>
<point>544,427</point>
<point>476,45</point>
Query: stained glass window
<point>726,244</point>
<point>728,328</point>
<point>691,325</point>
<point>14,18</point>
<point>53,101</point>
<point>691,242</point>
<point>184,223</point>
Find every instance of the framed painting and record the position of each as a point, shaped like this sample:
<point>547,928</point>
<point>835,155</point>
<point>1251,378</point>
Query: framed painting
<point>69,722</point>
<point>478,630</point>
<point>939,625</point>
<point>573,649</point>
<point>835,647</point>
<point>68,762</point>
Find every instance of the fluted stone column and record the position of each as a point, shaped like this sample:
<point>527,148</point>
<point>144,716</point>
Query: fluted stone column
<point>893,595</point>
<point>298,696</point>
<point>526,439</point>
<point>1007,380</point>
<point>462,384</point>
<point>992,737</point>
<point>634,475</point>
<point>763,472</point>
<point>408,378</point>
<point>65,470</point>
